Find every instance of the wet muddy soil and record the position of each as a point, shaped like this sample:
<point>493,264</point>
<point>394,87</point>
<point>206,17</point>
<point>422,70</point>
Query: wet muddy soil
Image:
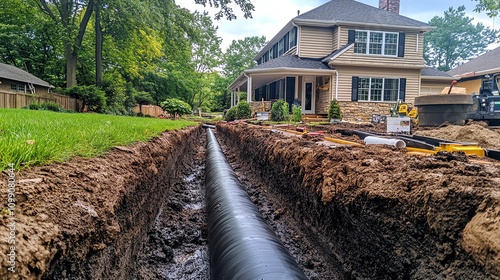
<point>177,244</point>
<point>343,212</point>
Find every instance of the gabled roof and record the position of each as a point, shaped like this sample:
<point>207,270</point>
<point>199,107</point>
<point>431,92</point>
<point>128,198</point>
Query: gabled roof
<point>13,73</point>
<point>337,53</point>
<point>431,71</point>
<point>292,61</point>
<point>483,64</point>
<point>352,12</point>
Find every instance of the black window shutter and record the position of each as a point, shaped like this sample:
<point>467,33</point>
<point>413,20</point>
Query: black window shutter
<point>354,93</point>
<point>401,45</point>
<point>402,89</point>
<point>351,36</point>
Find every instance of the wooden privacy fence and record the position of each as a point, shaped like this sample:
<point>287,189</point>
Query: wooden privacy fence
<point>151,110</point>
<point>19,100</point>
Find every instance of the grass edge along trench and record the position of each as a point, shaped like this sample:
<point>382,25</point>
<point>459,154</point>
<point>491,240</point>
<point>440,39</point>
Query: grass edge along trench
<point>29,137</point>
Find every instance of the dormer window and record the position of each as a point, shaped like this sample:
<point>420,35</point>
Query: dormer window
<point>375,42</point>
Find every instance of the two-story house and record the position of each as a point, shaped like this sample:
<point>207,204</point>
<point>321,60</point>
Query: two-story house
<point>365,57</point>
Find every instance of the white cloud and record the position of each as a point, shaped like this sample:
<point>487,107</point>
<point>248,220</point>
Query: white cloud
<point>268,18</point>
<point>272,15</point>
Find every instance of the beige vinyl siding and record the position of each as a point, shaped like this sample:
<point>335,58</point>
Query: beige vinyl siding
<point>335,39</point>
<point>413,56</point>
<point>315,42</point>
<point>347,72</point>
<point>470,86</point>
<point>433,87</point>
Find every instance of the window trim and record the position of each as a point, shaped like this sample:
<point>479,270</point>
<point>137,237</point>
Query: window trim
<point>383,42</point>
<point>18,87</point>
<point>398,90</point>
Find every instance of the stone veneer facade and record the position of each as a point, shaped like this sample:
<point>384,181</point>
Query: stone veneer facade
<point>363,111</point>
<point>257,106</point>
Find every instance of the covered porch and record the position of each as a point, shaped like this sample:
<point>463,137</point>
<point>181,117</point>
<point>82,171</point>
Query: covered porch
<point>312,89</point>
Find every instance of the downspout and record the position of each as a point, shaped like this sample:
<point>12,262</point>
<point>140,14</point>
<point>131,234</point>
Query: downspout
<point>336,85</point>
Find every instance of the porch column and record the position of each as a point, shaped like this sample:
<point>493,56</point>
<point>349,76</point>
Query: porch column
<point>249,89</point>
<point>237,96</point>
<point>232,98</point>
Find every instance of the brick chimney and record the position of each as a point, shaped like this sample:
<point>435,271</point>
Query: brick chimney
<point>389,5</point>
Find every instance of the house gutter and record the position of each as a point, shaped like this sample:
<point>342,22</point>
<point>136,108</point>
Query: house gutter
<point>322,23</point>
<point>438,78</point>
<point>288,70</point>
<point>476,73</point>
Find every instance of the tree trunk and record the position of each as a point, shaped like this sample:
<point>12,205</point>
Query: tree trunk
<point>71,60</point>
<point>98,45</point>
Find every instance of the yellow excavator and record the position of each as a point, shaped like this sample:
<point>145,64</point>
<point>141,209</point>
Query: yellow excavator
<point>401,109</point>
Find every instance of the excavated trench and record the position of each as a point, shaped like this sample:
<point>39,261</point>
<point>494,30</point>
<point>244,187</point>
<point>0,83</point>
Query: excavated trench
<point>340,212</point>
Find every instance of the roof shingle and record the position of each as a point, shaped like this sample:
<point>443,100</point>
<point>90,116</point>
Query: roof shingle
<point>485,62</point>
<point>13,73</point>
<point>292,61</point>
<point>433,72</point>
<point>356,12</point>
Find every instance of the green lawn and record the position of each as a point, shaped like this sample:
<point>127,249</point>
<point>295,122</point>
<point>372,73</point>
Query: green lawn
<point>29,137</point>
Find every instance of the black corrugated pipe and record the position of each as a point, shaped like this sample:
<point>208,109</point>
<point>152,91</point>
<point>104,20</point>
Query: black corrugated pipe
<point>241,245</point>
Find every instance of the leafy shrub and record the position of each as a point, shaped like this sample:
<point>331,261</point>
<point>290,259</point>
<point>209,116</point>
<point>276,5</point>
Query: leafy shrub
<point>334,110</point>
<point>34,106</point>
<point>91,96</point>
<point>243,110</point>
<point>176,107</point>
<point>52,106</point>
<point>297,113</point>
<point>231,114</point>
<point>279,111</point>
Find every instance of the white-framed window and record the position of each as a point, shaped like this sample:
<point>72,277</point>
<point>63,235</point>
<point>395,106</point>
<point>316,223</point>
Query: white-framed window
<point>281,47</point>
<point>378,89</point>
<point>292,37</point>
<point>376,42</point>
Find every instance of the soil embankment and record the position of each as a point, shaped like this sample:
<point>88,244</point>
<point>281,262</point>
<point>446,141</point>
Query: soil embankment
<point>89,218</point>
<point>382,214</point>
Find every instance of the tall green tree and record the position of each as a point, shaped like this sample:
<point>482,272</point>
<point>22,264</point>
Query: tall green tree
<point>492,7</point>
<point>456,39</point>
<point>225,11</point>
<point>29,41</point>
<point>240,55</point>
<point>207,53</point>
<point>73,16</point>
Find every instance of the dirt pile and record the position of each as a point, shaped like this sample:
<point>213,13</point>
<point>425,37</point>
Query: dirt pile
<point>383,214</point>
<point>474,133</point>
<point>88,218</point>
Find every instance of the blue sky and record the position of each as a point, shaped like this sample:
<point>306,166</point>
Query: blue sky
<point>271,15</point>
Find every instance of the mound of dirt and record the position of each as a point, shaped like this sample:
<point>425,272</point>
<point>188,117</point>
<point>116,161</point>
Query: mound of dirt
<point>474,133</point>
<point>383,214</point>
<point>88,218</point>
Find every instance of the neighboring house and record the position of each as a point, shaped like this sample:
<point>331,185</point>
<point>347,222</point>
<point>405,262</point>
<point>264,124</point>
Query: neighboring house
<point>19,88</point>
<point>472,72</point>
<point>15,80</point>
<point>365,57</point>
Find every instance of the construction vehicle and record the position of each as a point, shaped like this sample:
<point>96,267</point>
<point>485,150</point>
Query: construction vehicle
<point>486,104</point>
<point>401,109</point>
<point>435,110</point>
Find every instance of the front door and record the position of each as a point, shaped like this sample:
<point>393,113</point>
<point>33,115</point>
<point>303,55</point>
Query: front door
<point>308,95</point>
